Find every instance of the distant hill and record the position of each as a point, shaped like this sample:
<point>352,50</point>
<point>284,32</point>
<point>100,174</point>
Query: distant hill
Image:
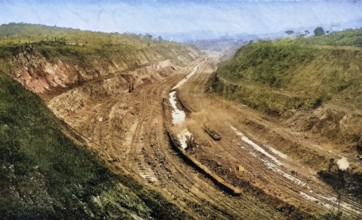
<point>349,37</point>
<point>23,29</point>
<point>16,33</point>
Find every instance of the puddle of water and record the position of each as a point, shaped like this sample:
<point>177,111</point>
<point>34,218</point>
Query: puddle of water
<point>309,197</point>
<point>183,136</point>
<point>276,152</point>
<point>254,145</point>
<point>274,165</point>
<point>178,116</point>
<point>314,199</point>
<point>148,176</point>
<point>345,205</point>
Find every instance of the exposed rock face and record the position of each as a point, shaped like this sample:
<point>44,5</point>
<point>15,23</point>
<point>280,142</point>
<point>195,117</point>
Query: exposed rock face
<point>39,75</point>
<point>46,76</point>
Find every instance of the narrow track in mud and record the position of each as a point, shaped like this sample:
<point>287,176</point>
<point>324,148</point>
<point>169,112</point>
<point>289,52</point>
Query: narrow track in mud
<point>128,130</point>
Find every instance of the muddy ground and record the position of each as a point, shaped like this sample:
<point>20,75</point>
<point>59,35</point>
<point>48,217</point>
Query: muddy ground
<point>126,126</point>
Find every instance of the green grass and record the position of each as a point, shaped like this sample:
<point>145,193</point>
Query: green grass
<point>79,47</point>
<point>276,76</point>
<point>44,175</point>
<point>15,33</point>
<point>297,77</point>
<point>350,37</point>
<point>265,62</point>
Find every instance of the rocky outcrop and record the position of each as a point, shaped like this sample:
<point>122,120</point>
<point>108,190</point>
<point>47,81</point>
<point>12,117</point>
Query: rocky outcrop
<point>36,73</point>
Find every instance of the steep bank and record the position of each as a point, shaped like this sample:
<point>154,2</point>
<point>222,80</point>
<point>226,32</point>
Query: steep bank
<point>54,60</point>
<point>311,87</point>
<point>44,174</point>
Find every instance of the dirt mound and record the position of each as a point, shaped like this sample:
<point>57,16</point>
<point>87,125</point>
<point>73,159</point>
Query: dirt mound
<point>344,127</point>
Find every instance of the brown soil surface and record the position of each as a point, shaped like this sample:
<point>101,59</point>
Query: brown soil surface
<point>127,129</point>
<point>300,154</point>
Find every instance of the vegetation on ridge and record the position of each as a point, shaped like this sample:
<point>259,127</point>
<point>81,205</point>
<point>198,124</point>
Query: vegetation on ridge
<point>310,84</point>
<point>276,76</point>
<point>83,47</point>
<point>43,174</point>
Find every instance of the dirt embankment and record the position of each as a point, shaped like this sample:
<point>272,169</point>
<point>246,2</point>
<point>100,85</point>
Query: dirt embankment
<point>330,121</point>
<point>127,130</point>
<point>340,124</point>
<point>311,100</point>
<point>310,89</point>
<point>51,76</point>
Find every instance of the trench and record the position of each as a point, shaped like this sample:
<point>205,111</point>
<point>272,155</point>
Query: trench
<point>179,140</point>
<point>178,113</point>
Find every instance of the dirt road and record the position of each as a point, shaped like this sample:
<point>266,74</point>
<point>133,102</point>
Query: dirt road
<point>127,129</point>
<point>246,155</point>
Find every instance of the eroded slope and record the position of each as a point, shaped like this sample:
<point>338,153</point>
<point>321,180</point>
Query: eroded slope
<point>311,90</point>
<point>45,175</point>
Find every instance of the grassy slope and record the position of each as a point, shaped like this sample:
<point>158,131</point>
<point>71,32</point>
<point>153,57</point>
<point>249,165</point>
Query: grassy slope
<point>282,75</point>
<point>348,37</point>
<point>30,33</point>
<point>300,75</point>
<point>42,173</point>
<point>83,47</point>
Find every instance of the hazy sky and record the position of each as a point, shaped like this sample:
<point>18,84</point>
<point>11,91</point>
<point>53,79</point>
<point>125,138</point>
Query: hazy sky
<point>165,16</point>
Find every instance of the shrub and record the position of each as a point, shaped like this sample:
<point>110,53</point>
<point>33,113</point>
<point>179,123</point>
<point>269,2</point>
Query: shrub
<point>319,31</point>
